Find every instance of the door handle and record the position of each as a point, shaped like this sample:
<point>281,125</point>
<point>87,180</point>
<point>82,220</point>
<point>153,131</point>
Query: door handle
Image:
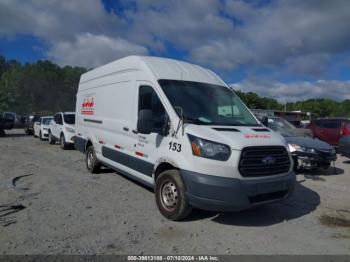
<point>125,128</point>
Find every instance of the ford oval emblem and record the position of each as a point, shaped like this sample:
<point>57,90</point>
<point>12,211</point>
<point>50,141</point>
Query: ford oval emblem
<point>269,160</point>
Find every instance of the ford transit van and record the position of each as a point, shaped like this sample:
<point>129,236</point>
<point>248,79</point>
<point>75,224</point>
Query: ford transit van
<point>178,128</point>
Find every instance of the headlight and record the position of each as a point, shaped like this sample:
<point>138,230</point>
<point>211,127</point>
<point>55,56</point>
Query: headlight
<point>295,147</point>
<point>209,149</point>
<point>69,129</point>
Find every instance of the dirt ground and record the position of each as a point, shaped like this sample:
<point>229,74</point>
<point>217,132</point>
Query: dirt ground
<point>50,204</point>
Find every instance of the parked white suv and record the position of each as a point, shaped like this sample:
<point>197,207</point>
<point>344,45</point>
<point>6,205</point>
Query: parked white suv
<point>41,127</point>
<point>62,128</point>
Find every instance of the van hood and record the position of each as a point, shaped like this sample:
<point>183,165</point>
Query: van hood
<point>237,137</point>
<point>308,142</point>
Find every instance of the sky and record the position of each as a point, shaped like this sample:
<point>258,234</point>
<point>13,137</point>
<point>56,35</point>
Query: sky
<point>284,49</point>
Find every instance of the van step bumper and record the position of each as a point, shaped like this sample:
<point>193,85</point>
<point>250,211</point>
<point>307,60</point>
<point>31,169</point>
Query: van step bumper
<point>232,194</point>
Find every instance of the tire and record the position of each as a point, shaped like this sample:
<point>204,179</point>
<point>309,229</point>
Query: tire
<point>63,143</point>
<point>2,133</point>
<point>41,136</point>
<point>92,163</point>
<point>52,140</point>
<point>26,130</point>
<point>170,194</point>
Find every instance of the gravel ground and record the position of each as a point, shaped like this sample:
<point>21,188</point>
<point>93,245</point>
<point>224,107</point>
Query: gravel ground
<point>50,204</point>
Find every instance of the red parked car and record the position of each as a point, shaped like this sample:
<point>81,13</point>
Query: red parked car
<point>328,129</point>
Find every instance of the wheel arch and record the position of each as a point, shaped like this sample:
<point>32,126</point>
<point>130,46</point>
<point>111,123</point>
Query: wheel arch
<point>163,165</point>
<point>87,144</point>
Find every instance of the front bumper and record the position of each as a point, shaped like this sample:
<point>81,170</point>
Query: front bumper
<point>232,194</point>
<point>45,133</point>
<point>308,161</point>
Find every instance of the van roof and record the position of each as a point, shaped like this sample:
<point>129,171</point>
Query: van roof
<point>160,68</point>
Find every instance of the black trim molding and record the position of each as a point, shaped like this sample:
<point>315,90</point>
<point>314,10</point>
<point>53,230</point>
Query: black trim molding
<point>132,162</point>
<point>79,144</point>
<point>93,121</point>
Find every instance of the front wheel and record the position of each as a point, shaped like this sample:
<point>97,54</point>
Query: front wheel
<point>52,140</point>
<point>170,194</point>
<point>92,163</point>
<point>41,136</point>
<point>63,143</point>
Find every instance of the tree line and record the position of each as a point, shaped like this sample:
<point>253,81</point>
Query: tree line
<point>45,86</point>
<point>321,107</point>
<point>37,87</point>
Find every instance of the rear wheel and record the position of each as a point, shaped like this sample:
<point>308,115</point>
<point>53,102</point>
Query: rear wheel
<point>170,194</point>
<point>2,132</point>
<point>52,140</point>
<point>92,163</point>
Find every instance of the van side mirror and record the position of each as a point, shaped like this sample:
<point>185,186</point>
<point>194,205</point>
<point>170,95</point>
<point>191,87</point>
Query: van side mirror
<point>147,123</point>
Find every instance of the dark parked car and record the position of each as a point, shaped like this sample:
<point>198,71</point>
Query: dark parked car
<point>6,122</point>
<point>29,123</point>
<point>344,141</point>
<point>307,153</point>
<point>328,129</point>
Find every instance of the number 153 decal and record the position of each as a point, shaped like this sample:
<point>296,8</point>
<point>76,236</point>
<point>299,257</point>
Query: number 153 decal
<point>175,146</point>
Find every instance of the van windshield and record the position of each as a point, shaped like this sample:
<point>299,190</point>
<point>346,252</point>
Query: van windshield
<point>207,104</point>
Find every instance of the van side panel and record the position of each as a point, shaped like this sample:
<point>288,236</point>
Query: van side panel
<point>106,115</point>
<point>111,110</point>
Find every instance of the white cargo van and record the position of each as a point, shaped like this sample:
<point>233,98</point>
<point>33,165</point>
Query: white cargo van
<point>177,127</point>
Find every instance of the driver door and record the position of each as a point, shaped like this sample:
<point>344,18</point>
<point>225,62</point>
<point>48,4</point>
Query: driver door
<point>146,145</point>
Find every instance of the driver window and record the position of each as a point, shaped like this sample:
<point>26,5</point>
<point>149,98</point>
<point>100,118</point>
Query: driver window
<point>58,119</point>
<point>148,99</point>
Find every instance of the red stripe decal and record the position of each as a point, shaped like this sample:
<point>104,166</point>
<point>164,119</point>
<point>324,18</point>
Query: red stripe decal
<point>101,142</point>
<point>139,153</point>
<point>87,112</point>
<point>117,146</point>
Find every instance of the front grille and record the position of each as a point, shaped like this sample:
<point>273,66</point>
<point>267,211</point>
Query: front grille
<point>264,161</point>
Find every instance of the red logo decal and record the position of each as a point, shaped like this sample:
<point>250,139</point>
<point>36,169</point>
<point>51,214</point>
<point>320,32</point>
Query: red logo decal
<point>87,107</point>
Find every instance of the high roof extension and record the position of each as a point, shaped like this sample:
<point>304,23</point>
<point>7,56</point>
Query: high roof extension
<point>155,68</point>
